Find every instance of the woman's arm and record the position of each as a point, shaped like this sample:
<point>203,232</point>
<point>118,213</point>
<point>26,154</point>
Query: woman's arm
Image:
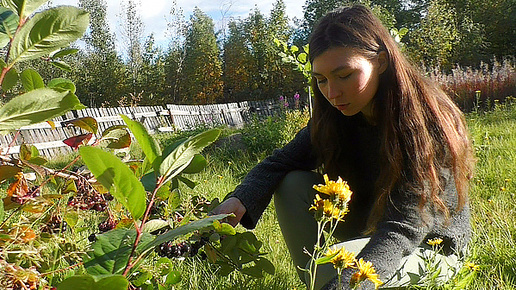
<point>257,188</point>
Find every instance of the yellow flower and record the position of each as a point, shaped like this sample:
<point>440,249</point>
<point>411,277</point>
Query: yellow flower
<point>337,190</point>
<point>472,266</point>
<point>325,208</point>
<point>366,271</point>
<point>342,258</point>
<point>434,241</point>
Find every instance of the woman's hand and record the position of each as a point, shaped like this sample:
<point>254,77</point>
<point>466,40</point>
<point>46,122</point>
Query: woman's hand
<point>231,205</point>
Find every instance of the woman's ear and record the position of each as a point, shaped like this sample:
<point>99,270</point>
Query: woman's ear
<point>383,61</point>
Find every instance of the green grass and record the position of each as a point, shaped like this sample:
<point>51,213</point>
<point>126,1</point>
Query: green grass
<point>492,198</point>
<point>492,205</point>
<point>493,210</point>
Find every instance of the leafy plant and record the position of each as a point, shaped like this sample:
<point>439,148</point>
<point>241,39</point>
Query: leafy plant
<point>131,232</point>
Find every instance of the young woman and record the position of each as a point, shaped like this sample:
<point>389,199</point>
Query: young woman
<point>396,138</point>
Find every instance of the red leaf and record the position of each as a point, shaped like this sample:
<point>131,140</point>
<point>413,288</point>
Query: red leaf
<point>76,141</point>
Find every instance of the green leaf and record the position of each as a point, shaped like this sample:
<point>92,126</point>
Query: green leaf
<point>187,181</point>
<point>164,266</point>
<point>10,80</point>
<point>61,65</point>
<point>197,164</point>
<point>87,282</point>
<point>142,278</point>
<point>47,31</point>
<point>8,171</point>
<point>265,265</point>
<point>31,80</point>
<point>172,147</point>
<point>173,278</point>
<point>253,271</point>
<point>63,84</point>
<point>111,251</point>
<point>181,157</point>
<point>154,225</point>
<point>117,177</point>
<point>302,57</point>
<point>63,52</point>
<point>116,137</point>
<point>149,146</point>
<point>174,199</point>
<point>87,123</point>
<point>36,106</point>
<point>24,8</point>
<point>149,181</point>
<point>224,228</point>
<point>182,230</point>
<point>325,259</point>
<point>8,25</point>
<point>71,218</point>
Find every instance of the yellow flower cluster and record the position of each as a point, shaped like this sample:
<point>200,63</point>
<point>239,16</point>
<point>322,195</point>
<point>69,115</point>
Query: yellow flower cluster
<point>336,190</point>
<point>336,205</point>
<point>366,271</point>
<point>472,266</point>
<point>343,259</point>
<point>434,242</point>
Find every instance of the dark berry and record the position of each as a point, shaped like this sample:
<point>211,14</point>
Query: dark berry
<point>107,225</point>
<point>92,238</point>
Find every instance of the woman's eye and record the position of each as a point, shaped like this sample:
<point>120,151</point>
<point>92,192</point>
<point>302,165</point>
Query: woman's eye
<point>345,76</point>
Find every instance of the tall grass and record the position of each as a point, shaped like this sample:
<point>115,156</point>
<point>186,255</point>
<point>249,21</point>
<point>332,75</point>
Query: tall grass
<point>491,82</point>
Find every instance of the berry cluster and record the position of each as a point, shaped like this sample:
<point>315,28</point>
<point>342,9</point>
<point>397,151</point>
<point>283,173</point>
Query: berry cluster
<point>54,225</point>
<point>88,198</point>
<point>177,250</point>
<point>107,225</point>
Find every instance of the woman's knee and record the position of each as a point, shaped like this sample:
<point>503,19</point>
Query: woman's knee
<point>298,184</point>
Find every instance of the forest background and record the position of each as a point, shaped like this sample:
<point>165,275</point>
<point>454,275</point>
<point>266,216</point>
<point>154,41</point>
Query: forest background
<point>240,61</point>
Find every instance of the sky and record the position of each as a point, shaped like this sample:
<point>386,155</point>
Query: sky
<point>154,12</point>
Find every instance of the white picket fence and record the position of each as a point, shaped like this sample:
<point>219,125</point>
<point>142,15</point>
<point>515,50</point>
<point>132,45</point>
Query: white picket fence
<point>156,119</point>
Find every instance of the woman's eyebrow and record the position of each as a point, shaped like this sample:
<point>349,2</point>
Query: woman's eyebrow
<point>334,71</point>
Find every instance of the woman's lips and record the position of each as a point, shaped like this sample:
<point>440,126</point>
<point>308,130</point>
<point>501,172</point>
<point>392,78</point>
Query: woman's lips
<point>342,107</point>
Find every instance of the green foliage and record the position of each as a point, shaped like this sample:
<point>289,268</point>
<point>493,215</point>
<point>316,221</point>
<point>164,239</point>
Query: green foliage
<point>117,177</point>
<point>179,159</point>
<point>111,252</point>
<point>36,106</point>
<point>263,136</point>
<point>9,23</point>
<point>85,282</point>
<point>46,32</point>
<point>202,69</point>
<point>437,35</point>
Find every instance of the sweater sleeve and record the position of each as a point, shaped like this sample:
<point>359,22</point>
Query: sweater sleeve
<point>404,227</point>
<point>256,190</point>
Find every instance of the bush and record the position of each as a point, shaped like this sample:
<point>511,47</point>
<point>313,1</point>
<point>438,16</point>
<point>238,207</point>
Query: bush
<point>262,136</point>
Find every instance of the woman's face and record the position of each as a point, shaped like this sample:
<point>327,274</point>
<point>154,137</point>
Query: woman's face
<point>348,80</point>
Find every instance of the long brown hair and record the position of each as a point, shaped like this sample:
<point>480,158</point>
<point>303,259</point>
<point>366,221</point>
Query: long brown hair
<point>421,129</point>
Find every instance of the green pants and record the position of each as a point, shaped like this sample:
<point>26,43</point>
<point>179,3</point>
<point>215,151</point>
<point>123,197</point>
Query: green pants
<point>292,199</point>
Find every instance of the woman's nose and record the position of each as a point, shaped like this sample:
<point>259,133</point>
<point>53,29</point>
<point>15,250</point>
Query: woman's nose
<point>333,91</point>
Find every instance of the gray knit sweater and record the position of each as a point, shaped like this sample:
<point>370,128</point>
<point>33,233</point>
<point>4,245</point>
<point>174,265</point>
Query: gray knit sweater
<point>404,225</point>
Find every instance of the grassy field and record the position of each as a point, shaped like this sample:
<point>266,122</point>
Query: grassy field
<point>492,195</point>
<point>493,191</point>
